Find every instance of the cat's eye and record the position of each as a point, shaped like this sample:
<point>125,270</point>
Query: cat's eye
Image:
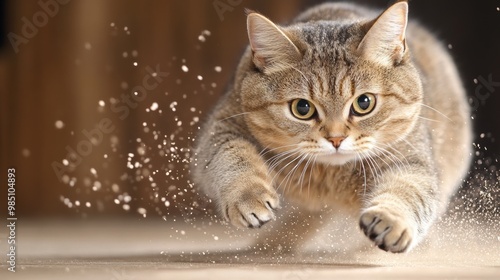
<point>364,104</point>
<point>302,109</point>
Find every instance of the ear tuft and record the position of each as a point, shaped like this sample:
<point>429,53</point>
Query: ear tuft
<point>384,43</point>
<point>272,48</point>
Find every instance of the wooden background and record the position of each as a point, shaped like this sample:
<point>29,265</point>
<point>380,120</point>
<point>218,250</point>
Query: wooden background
<point>85,53</point>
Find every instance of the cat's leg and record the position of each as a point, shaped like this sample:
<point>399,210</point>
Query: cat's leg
<point>246,196</point>
<point>231,171</point>
<point>400,208</point>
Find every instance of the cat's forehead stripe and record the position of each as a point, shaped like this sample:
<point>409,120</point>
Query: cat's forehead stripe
<point>341,84</point>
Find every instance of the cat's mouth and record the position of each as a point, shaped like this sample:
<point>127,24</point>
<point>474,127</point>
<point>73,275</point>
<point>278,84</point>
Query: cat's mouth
<point>336,157</point>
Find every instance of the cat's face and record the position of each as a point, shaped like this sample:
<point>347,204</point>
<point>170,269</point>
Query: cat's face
<point>331,100</point>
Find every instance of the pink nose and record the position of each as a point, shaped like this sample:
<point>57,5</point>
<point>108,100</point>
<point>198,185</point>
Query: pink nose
<point>336,141</point>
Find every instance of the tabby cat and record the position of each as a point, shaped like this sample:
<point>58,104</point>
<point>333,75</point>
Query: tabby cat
<point>344,107</point>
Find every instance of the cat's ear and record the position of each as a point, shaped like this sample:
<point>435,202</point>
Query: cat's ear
<point>272,48</point>
<point>385,43</point>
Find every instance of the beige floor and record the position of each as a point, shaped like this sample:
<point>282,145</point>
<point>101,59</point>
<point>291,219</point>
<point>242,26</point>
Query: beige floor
<point>122,250</point>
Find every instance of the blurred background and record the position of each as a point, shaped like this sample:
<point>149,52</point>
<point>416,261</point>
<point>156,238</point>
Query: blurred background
<point>100,100</point>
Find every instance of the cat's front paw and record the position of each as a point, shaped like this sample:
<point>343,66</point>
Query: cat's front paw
<point>391,231</point>
<point>251,207</point>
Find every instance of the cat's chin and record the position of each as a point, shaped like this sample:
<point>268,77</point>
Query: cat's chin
<point>336,159</point>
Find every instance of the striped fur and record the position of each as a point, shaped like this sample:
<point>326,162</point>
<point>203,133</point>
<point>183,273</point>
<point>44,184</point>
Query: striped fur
<point>397,166</point>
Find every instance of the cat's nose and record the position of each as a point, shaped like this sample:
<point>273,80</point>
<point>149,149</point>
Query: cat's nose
<point>336,141</point>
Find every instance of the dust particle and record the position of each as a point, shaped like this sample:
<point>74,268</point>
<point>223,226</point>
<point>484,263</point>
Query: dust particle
<point>88,46</point>
<point>59,124</point>
<point>26,153</point>
<point>154,106</point>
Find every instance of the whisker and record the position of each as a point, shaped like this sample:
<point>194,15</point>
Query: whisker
<point>393,158</point>
<point>283,168</point>
<point>437,111</point>
<point>261,153</point>
<point>402,138</point>
<point>410,144</point>
<point>376,156</point>
<point>279,159</point>
<point>427,119</point>
<point>240,114</point>
<point>278,155</point>
<point>286,165</point>
<point>304,170</point>
<point>381,157</point>
<point>372,167</point>
<point>264,152</point>
<point>291,174</point>
<point>366,158</point>
<point>364,172</point>
<point>310,175</point>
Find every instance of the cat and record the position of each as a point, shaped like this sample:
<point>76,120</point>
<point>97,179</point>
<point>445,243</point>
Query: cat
<point>345,107</point>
